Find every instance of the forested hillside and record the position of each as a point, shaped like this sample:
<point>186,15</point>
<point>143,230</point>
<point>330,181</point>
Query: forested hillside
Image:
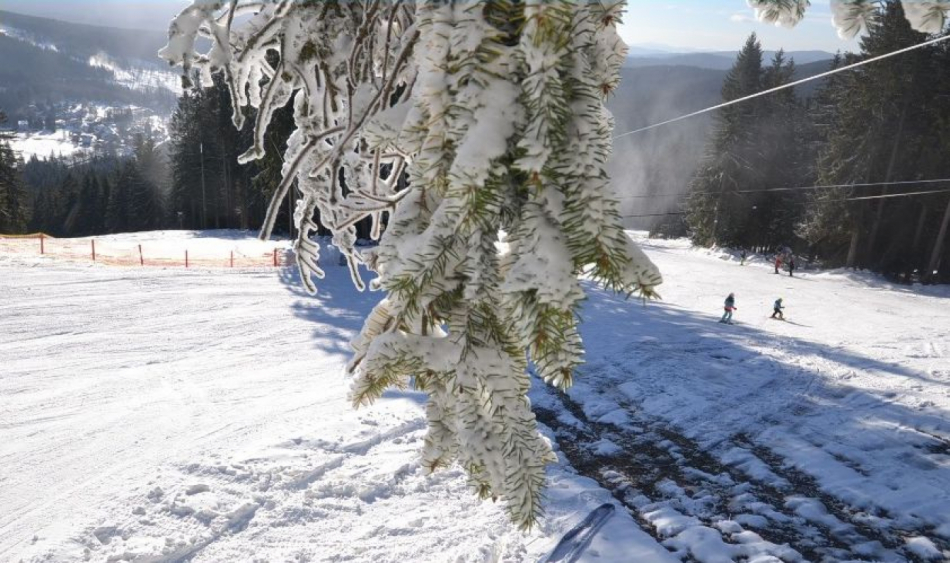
<point>84,41</point>
<point>47,63</point>
<point>855,175</point>
<point>663,160</point>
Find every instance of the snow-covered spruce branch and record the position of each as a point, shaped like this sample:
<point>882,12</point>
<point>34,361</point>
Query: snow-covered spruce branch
<point>851,17</point>
<point>478,130</point>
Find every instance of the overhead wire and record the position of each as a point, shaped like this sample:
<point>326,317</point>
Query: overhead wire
<point>840,200</point>
<point>802,188</point>
<point>791,189</point>
<point>789,85</point>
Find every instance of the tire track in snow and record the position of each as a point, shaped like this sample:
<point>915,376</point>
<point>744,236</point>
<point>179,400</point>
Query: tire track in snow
<point>670,484</point>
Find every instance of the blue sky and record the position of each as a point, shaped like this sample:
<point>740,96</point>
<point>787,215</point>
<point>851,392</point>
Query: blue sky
<point>724,25</point>
<point>693,24</point>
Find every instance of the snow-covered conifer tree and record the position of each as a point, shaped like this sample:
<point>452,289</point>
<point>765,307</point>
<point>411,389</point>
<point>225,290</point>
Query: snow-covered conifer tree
<point>494,110</point>
<point>851,17</point>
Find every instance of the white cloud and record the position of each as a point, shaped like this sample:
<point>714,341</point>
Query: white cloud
<point>741,17</point>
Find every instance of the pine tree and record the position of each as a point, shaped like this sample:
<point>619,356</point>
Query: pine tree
<point>202,137</point>
<point>881,131</point>
<point>147,204</point>
<point>13,217</point>
<point>186,201</point>
<point>91,207</point>
<point>780,134</point>
<point>119,208</point>
<point>507,201</point>
<point>826,224</point>
<point>495,111</point>
<point>716,212</point>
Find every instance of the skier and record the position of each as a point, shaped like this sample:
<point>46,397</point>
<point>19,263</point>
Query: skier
<point>729,307</point>
<point>777,310</point>
<point>742,256</point>
<point>791,265</point>
<point>778,262</point>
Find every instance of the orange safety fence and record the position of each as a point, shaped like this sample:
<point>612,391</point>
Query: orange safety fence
<point>140,254</point>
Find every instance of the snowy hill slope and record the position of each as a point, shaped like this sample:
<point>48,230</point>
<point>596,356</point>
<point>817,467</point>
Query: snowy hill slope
<point>50,63</point>
<point>828,434</point>
<point>171,415</point>
<point>188,415</point>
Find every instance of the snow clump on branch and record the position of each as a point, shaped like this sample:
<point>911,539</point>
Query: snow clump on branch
<point>474,137</point>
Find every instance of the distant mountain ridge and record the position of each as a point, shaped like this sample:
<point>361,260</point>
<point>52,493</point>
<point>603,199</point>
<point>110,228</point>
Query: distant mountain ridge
<point>47,63</point>
<point>716,60</point>
<point>85,41</point>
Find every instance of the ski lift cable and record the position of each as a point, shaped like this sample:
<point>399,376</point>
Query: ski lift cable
<point>784,86</point>
<point>881,196</point>
<point>792,189</point>
<point>859,198</point>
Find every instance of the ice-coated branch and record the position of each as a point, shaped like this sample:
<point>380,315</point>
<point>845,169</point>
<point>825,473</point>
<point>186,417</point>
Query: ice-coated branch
<point>474,137</point>
<point>328,56</point>
<point>851,17</point>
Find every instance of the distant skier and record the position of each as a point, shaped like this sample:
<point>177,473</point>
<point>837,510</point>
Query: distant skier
<point>742,258</point>
<point>791,265</point>
<point>777,310</point>
<point>729,307</point>
<point>778,262</point>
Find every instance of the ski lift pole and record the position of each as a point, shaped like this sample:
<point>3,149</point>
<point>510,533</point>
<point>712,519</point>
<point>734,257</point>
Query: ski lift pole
<point>42,246</point>
<point>204,200</point>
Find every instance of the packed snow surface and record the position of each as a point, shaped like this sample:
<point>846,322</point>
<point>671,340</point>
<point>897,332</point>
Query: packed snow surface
<point>196,415</point>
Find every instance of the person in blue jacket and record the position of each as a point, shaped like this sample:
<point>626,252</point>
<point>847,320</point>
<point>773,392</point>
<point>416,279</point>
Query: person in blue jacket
<point>729,306</point>
<point>777,310</point>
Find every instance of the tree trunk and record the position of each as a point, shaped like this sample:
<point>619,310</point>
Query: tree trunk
<point>918,234</point>
<point>227,189</point>
<point>931,274</point>
<point>919,259</point>
<point>853,249</point>
<point>879,214</point>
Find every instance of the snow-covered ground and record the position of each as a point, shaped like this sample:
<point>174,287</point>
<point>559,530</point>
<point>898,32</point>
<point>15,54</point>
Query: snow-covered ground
<point>210,249</point>
<point>172,415</point>
<point>144,76</point>
<point>43,145</point>
<point>829,433</point>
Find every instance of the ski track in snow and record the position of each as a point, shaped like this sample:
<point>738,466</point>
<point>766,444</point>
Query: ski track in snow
<point>824,439</point>
<point>168,416</point>
<point>171,415</point>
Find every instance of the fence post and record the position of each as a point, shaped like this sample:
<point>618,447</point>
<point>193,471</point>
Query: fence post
<point>275,257</point>
<point>93,250</point>
<point>141,260</point>
<point>232,258</point>
<point>186,258</point>
<point>42,246</point>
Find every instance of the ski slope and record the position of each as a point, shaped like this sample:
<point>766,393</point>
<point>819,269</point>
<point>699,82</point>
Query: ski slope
<point>825,438</point>
<point>163,415</point>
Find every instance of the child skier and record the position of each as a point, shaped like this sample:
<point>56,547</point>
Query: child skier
<point>729,307</point>
<point>777,310</point>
